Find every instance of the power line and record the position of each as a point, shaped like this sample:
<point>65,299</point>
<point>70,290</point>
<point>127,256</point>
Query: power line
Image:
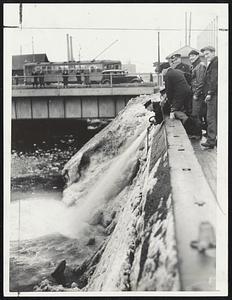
<point>109,28</point>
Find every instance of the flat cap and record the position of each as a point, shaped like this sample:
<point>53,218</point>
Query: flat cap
<point>193,52</point>
<point>209,48</point>
<point>175,55</point>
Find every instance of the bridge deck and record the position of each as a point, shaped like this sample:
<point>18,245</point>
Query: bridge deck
<point>80,103</point>
<point>120,90</point>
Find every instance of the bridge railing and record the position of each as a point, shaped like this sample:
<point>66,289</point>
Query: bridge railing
<point>85,80</point>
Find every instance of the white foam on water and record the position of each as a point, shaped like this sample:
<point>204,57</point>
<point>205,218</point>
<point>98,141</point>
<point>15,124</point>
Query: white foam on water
<point>111,183</point>
<point>36,217</point>
<point>32,218</point>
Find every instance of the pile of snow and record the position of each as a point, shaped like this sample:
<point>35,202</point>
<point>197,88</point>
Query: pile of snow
<point>120,181</point>
<point>85,168</point>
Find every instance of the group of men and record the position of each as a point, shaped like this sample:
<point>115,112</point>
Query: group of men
<point>38,78</point>
<point>82,77</point>
<point>190,94</point>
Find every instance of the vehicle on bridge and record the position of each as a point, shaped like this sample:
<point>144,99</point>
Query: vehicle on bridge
<point>119,76</point>
<point>84,72</point>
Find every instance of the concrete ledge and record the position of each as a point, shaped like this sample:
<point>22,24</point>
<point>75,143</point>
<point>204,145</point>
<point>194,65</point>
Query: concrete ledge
<point>104,91</point>
<point>194,203</point>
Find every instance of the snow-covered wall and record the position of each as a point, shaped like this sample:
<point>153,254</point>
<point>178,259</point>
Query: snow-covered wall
<point>141,253</point>
<point>120,182</point>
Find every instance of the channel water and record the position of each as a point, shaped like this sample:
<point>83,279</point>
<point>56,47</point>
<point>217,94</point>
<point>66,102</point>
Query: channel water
<point>40,231</point>
<point>43,229</point>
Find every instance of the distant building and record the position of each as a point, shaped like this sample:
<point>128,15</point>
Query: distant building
<point>131,68</point>
<point>18,61</point>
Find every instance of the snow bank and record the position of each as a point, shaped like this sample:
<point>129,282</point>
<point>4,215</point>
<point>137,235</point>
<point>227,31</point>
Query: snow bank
<point>83,169</point>
<point>116,182</point>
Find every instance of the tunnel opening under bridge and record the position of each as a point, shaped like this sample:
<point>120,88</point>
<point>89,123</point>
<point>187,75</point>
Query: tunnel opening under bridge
<point>47,133</point>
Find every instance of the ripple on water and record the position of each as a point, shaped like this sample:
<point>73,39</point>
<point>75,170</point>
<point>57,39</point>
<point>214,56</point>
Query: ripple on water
<point>45,241</point>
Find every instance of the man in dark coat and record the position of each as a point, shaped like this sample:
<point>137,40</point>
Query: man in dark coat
<point>35,78</point>
<point>41,78</point>
<point>78,76</point>
<point>197,83</point>
<point>210,92</point>
<point>65,78</point>
<point>176,63</point>
<point>179,96</point>
<point>177,90</point>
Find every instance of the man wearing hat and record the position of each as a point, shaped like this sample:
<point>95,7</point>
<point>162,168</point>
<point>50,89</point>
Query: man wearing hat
<point>179,95</point>
<point>197,83</point>
<point>176,63</point>
<point>210,91</point>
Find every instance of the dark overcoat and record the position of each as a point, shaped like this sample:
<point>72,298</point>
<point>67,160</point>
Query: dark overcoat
<point>198,77</point>
<point>177,89</point>
<point>211,78</point>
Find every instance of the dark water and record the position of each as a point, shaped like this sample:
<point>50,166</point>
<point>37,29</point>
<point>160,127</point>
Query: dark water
<point>40,149</point>
<point>28,135</point>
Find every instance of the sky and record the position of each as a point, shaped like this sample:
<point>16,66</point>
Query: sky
<point>135,46</point>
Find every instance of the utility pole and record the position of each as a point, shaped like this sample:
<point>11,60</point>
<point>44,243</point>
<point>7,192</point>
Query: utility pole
<point>216,38</point>
<point>32,43</point>
<point>190,16</point>
<point>33,52</point>
<point>20,15</point>
<point>158,57</point>
<point>185,28</point>
<point>79,53</point>
<point>21,51</point>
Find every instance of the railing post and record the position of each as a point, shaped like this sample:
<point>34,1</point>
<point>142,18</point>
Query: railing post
<point>58,82</point>
<point>111,81</point>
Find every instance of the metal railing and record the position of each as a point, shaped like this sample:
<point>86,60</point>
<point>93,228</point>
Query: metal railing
<point>85,80</point>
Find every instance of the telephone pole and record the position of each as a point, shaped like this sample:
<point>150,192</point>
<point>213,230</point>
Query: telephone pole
<point>185,28</point>
<point>190,16</point>
<point>79,53</point>
<point>20,15</point>
<point>33,52</point>
<point>158,57</point>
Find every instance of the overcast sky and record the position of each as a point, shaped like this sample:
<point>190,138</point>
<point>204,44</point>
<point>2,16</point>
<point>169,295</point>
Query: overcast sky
<point>137,46</point>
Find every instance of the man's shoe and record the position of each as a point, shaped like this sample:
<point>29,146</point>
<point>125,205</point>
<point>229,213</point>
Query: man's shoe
<point>207,145</point>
